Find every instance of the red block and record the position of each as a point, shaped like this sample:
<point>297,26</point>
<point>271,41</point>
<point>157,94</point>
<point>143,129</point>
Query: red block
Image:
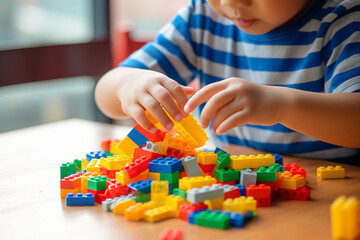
<point>117,189</point>
<point>136,166</point>
<point>158,136</point>
<point>273,185</point>
<point>71,182</point>
<point>139,152</point>
<point>263,202</point>
<point>299,170</point>
<point>207,168</point>
<point>108,173</point>
<point>185,209</point>
<point>105,144</point>
<point>99,198</point>
<point>235,193</point>
<point>110,181</point>
<point>224,183</point>
<point>173,152</point>
<point>302,194</point>
<point>171,234</point>
<point>259,191</point>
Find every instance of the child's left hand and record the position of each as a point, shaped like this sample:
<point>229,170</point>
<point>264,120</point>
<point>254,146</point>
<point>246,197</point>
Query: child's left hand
<point>235,101</point>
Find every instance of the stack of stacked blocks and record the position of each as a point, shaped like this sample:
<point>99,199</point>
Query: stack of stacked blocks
<point>135,176</point>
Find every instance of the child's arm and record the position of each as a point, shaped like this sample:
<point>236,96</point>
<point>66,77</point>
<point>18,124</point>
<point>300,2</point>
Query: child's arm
<point>330,117</point>
<point>129,92</point>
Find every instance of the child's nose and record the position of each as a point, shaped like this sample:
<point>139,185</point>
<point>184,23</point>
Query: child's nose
<point>236,3</point>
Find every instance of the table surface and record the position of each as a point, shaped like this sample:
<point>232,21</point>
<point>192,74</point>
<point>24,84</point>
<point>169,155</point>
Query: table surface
<point>30,204</point>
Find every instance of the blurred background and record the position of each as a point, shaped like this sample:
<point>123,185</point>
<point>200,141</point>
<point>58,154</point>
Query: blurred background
<point>52,53</point>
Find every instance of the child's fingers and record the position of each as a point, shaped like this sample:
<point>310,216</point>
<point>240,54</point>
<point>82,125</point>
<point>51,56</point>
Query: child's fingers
<point>225,112</point>
<point>202,95</point>
<point>188,90</point>
<point>163,96</point>
<point>138,113</point>
<point>237,119</point>
<point>177,92</point>
<point>215,103</point>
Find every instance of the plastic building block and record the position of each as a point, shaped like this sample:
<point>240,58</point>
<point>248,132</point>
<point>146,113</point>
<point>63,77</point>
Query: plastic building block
<point>97,183</point>
<point>174,153</point>
<point>137,137</point>
<point>302,194</point>
<point>117,189</point>
<point>165,165</point>
<point>67,169</point>
<point>113,148</point>
<point>84,178</point>
<point>179,192</point>
<point>226,175</point>
<point>142,186</point>
<point>214,204</point>
<point>65,192</point>
<point>84,164</point>
<point>247,177</point>
<point>258,192</point>
<point>159,192</point>
<point>115,162</point>
<point>97,154</point>
<point>155,148</point>
<point>137,166</point>
<point>172,178</point>
<point>152,137</point>
<point>108,203</point>
<point>330,172</point>
<point>268,174</point>
<point>231,191</point>
<point>171,234</point>
<point>105,144</point>
<point>77,162</point>
<point>120,207</point>
<point>155,176</point>
<point>241,204</point>
<point>108,173</point>
<point>140,152</point>
<point>93,166</point>
<point>288,181</point>
<point>212,219</point>
<point>238,220</point>
<point>207,168</point>
<point>141,197</point>
<point>207,158</point>
<point>175,201</point>
<point>273,185</point>
<point>71,181</point>
<point>242,190</point>
<point>177,142</point>
<point>126,146</point>
<point>187,183</point>
<point>192,216</point>
<point>345,218</point>
<point>278,158</point>
<point>223,160</point>
<point>251,161</point>
<point>191,166</point>
<point>159,214</point>
<point>196,195</point>
<point>80,199</point>
<point>124,179</point>
<point>186,209</point>
<point>136,212</point>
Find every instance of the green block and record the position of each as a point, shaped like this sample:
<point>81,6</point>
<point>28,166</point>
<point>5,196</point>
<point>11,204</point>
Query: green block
<point>268,174</point>
<point>212,219</point>
<point>141,197</point>
<point>108,153</point>
<point>170,177</point>
<point>179,192</point>
<point>97,183</point>
<point>77,162</point>
<point>226,175</point>
<point>223,160</point>
<point>67,169</point>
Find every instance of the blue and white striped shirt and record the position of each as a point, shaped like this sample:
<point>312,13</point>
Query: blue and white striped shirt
<point>318,52</point>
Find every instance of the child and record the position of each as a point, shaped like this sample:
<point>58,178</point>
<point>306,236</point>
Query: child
<point>278,75</point>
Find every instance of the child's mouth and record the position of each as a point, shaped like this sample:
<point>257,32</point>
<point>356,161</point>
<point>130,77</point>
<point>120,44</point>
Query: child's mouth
<point>244,23</point>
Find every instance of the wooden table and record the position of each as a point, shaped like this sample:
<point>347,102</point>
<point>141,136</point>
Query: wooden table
<point>31,208</point>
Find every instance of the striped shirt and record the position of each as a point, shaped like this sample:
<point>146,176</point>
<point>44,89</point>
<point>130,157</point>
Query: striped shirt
<point>318,52</point>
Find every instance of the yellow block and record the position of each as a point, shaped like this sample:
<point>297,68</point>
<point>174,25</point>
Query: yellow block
<point>187,183</point>
<point>207,158</point>
<point>121,206</point>
<point>112,148</point>
<point>330,172</point>
<point>154,176</point>
<point>159,192</point>
<point>64,192</point>
<point>126,146</point>
<point>175,201</point>
<point>84,179</point>
<point>115,162</point>
<point>241,204</point>
<point>84,164</point>
<point>251,161</point>
<point>215,204</point>
<point>287,181</point>
<point>124,178</point>
<point>136,212</point>
<point>176,141</point>
<point>159,213</point>
<point>345,218</point>
<point>93,166</point>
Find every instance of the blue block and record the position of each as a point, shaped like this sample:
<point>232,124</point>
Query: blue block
<point>98,155</point>
<point>137,137</point>
<point>236,219</point>
<point>278,158</point>
<point>219,150</point>
<point>192,216</point>
<point>165,165</point>
<point>80,199</point>
<point>141,186</point>
<point>241,189</point>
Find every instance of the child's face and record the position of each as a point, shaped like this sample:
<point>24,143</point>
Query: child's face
<point>258,16</point>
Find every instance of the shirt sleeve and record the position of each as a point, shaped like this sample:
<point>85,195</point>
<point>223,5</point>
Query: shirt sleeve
<point>341,50</point>
<point>172,52</point>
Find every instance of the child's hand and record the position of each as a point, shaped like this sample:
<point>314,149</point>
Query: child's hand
<point>235,101</point>
<point>151,91</point>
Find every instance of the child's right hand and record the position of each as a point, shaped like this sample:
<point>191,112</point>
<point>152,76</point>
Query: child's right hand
<point>150,90</point>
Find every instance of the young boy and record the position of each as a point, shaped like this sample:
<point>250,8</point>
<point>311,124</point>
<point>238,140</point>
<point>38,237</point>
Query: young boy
<point>278,75</point>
